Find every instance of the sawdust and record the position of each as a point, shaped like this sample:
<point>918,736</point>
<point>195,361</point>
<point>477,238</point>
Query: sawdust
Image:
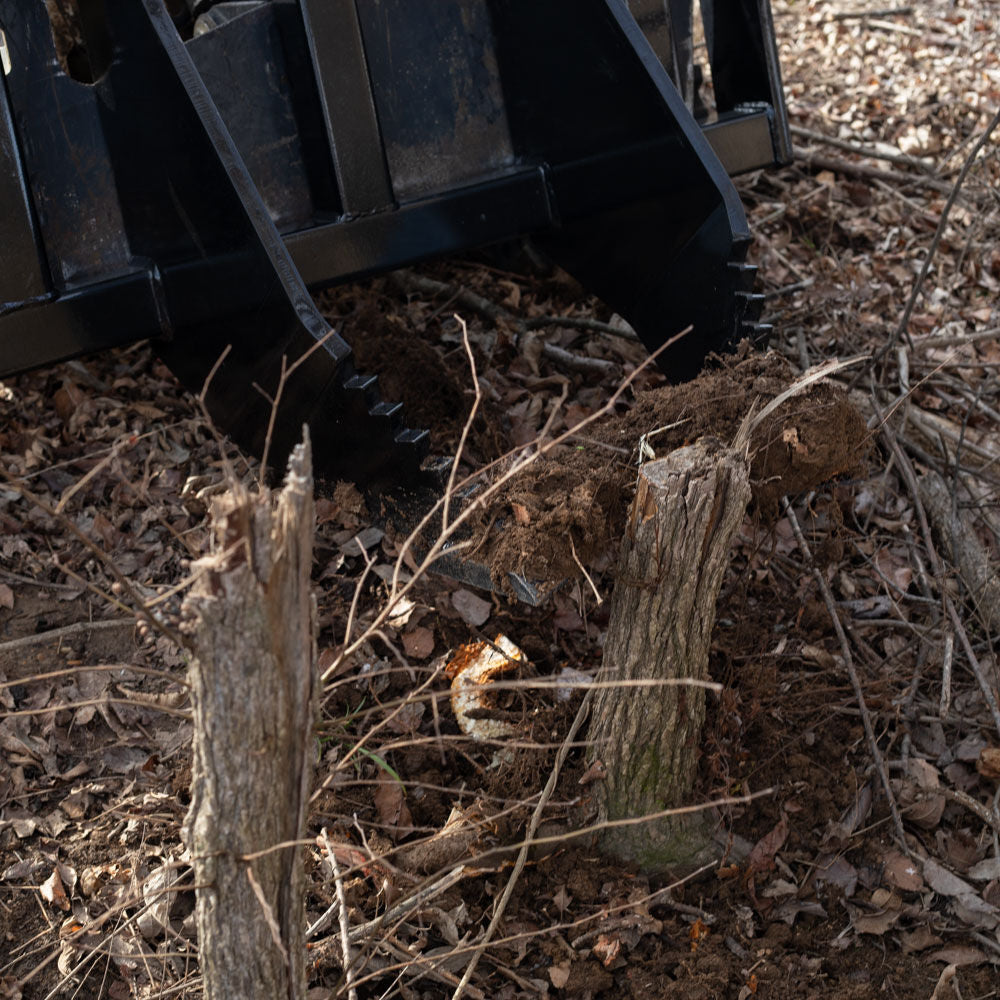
<point>574,499</point>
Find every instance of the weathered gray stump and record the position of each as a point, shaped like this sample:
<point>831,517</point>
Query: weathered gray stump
<point>687,508</point>
<point>250,615</point>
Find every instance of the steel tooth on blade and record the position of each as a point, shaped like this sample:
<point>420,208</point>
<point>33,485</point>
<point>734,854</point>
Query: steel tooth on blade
<point>746,275</point>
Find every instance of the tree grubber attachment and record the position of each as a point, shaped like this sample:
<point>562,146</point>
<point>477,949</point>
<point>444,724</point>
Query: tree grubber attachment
<point>187,171</point>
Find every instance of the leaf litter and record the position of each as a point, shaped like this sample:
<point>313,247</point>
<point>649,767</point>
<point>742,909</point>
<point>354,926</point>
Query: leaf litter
<point>815,896</point>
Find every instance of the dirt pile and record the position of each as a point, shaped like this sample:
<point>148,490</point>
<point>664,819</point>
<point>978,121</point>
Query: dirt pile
<point>574,498</point>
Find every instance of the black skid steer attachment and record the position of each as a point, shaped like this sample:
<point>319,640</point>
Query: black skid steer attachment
<point>187,171</point>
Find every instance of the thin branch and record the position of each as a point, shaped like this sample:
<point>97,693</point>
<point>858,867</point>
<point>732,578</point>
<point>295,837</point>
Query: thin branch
<point>347,954</point>
<point>845,648</point>
<point>77,628</point>
<point>522,855</point>
<point>860,149</point>
<point>902,330</point>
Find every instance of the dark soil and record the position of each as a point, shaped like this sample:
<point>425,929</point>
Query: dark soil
<point>108,475</point>
<point>579,491</point>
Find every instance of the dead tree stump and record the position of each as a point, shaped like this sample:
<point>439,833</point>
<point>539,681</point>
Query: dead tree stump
<point>687,508</point>
<point>251,619</point>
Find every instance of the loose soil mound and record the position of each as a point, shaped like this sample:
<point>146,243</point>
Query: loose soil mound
<point>573,498</point>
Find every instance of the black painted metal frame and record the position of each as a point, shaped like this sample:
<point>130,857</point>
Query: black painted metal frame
<point>177,197</point>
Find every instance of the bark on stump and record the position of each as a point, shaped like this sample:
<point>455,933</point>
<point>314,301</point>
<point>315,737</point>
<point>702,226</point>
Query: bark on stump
<point>251,618</point>
<point>687,508</point>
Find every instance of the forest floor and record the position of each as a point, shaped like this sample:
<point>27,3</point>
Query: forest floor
<point>854,865</point>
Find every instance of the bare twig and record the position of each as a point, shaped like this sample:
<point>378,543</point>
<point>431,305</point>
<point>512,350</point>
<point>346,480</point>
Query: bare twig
<point>345,925</point>
<point>143,608</point>
<point>864,15</point>
<point>522,855</point>
<point>949,650</point>
<point>586,575</point>
<point>861,149</point>
<point>902,330</point>
<point>819,162</point>
<point>600,367</point>
<point>937,567</point>
<point>845,648</point>
<point>77,628</point>
<point>466,427</point>
<point>583,323</point>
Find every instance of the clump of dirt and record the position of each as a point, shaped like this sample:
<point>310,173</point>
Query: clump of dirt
<point>434,387</point>
<point>569,506</point>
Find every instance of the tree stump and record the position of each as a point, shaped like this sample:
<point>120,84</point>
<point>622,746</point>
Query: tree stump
<point>687,508</point>
<point>251,618</point>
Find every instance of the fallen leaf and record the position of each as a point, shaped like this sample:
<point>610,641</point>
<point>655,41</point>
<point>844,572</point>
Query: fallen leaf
<point>943,881</point>
<point>975,911</point>
<point>521,515</point>
<point>958,955</point>
<point>985,871</point>
<point>919,940</point>
<point>6,596</point>
<point>791,908</point>
<point>837,871</point>
<point>53,892</point>
<point>559,974</point>
<point>607,948</point>
<point>327,657</point>
<point>819,656</point>
<point>392,809</point>
<point>988,764</point>
<point>918,798</point>
<point>418,643</point>
<point>569,682</point>
<point>474,610</point>
<point>874,923</point>
<point>902,873</point>
<point>762,856</point>
<point>407,718</point>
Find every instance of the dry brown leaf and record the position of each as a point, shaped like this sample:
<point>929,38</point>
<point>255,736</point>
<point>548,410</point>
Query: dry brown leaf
<point>958,955</point>
<point>406,719</point>
<point>327,657</point>
<point>559,974</point>
<point>988,764</point>
<point>919,939</point>
<point>902,873</point>
<point>596,772</point>
<point>418,643</point>
<point>837,871</point>
<point>944,882</point>
<point>561,898</point>
<point>985,870</point>
<point>820,657</point>
<point>762,856</point>
<point>607,948</point>
<point>521,514</point>
<point>52,891</point>
<point>393,813</point>
<point>6,596</point>
<point>917,799</point>
<point>474,610</point>
<point>874,923</point>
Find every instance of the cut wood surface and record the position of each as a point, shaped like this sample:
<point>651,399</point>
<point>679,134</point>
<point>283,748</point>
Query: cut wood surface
<point>687,508</point>
<point>250,616</point>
